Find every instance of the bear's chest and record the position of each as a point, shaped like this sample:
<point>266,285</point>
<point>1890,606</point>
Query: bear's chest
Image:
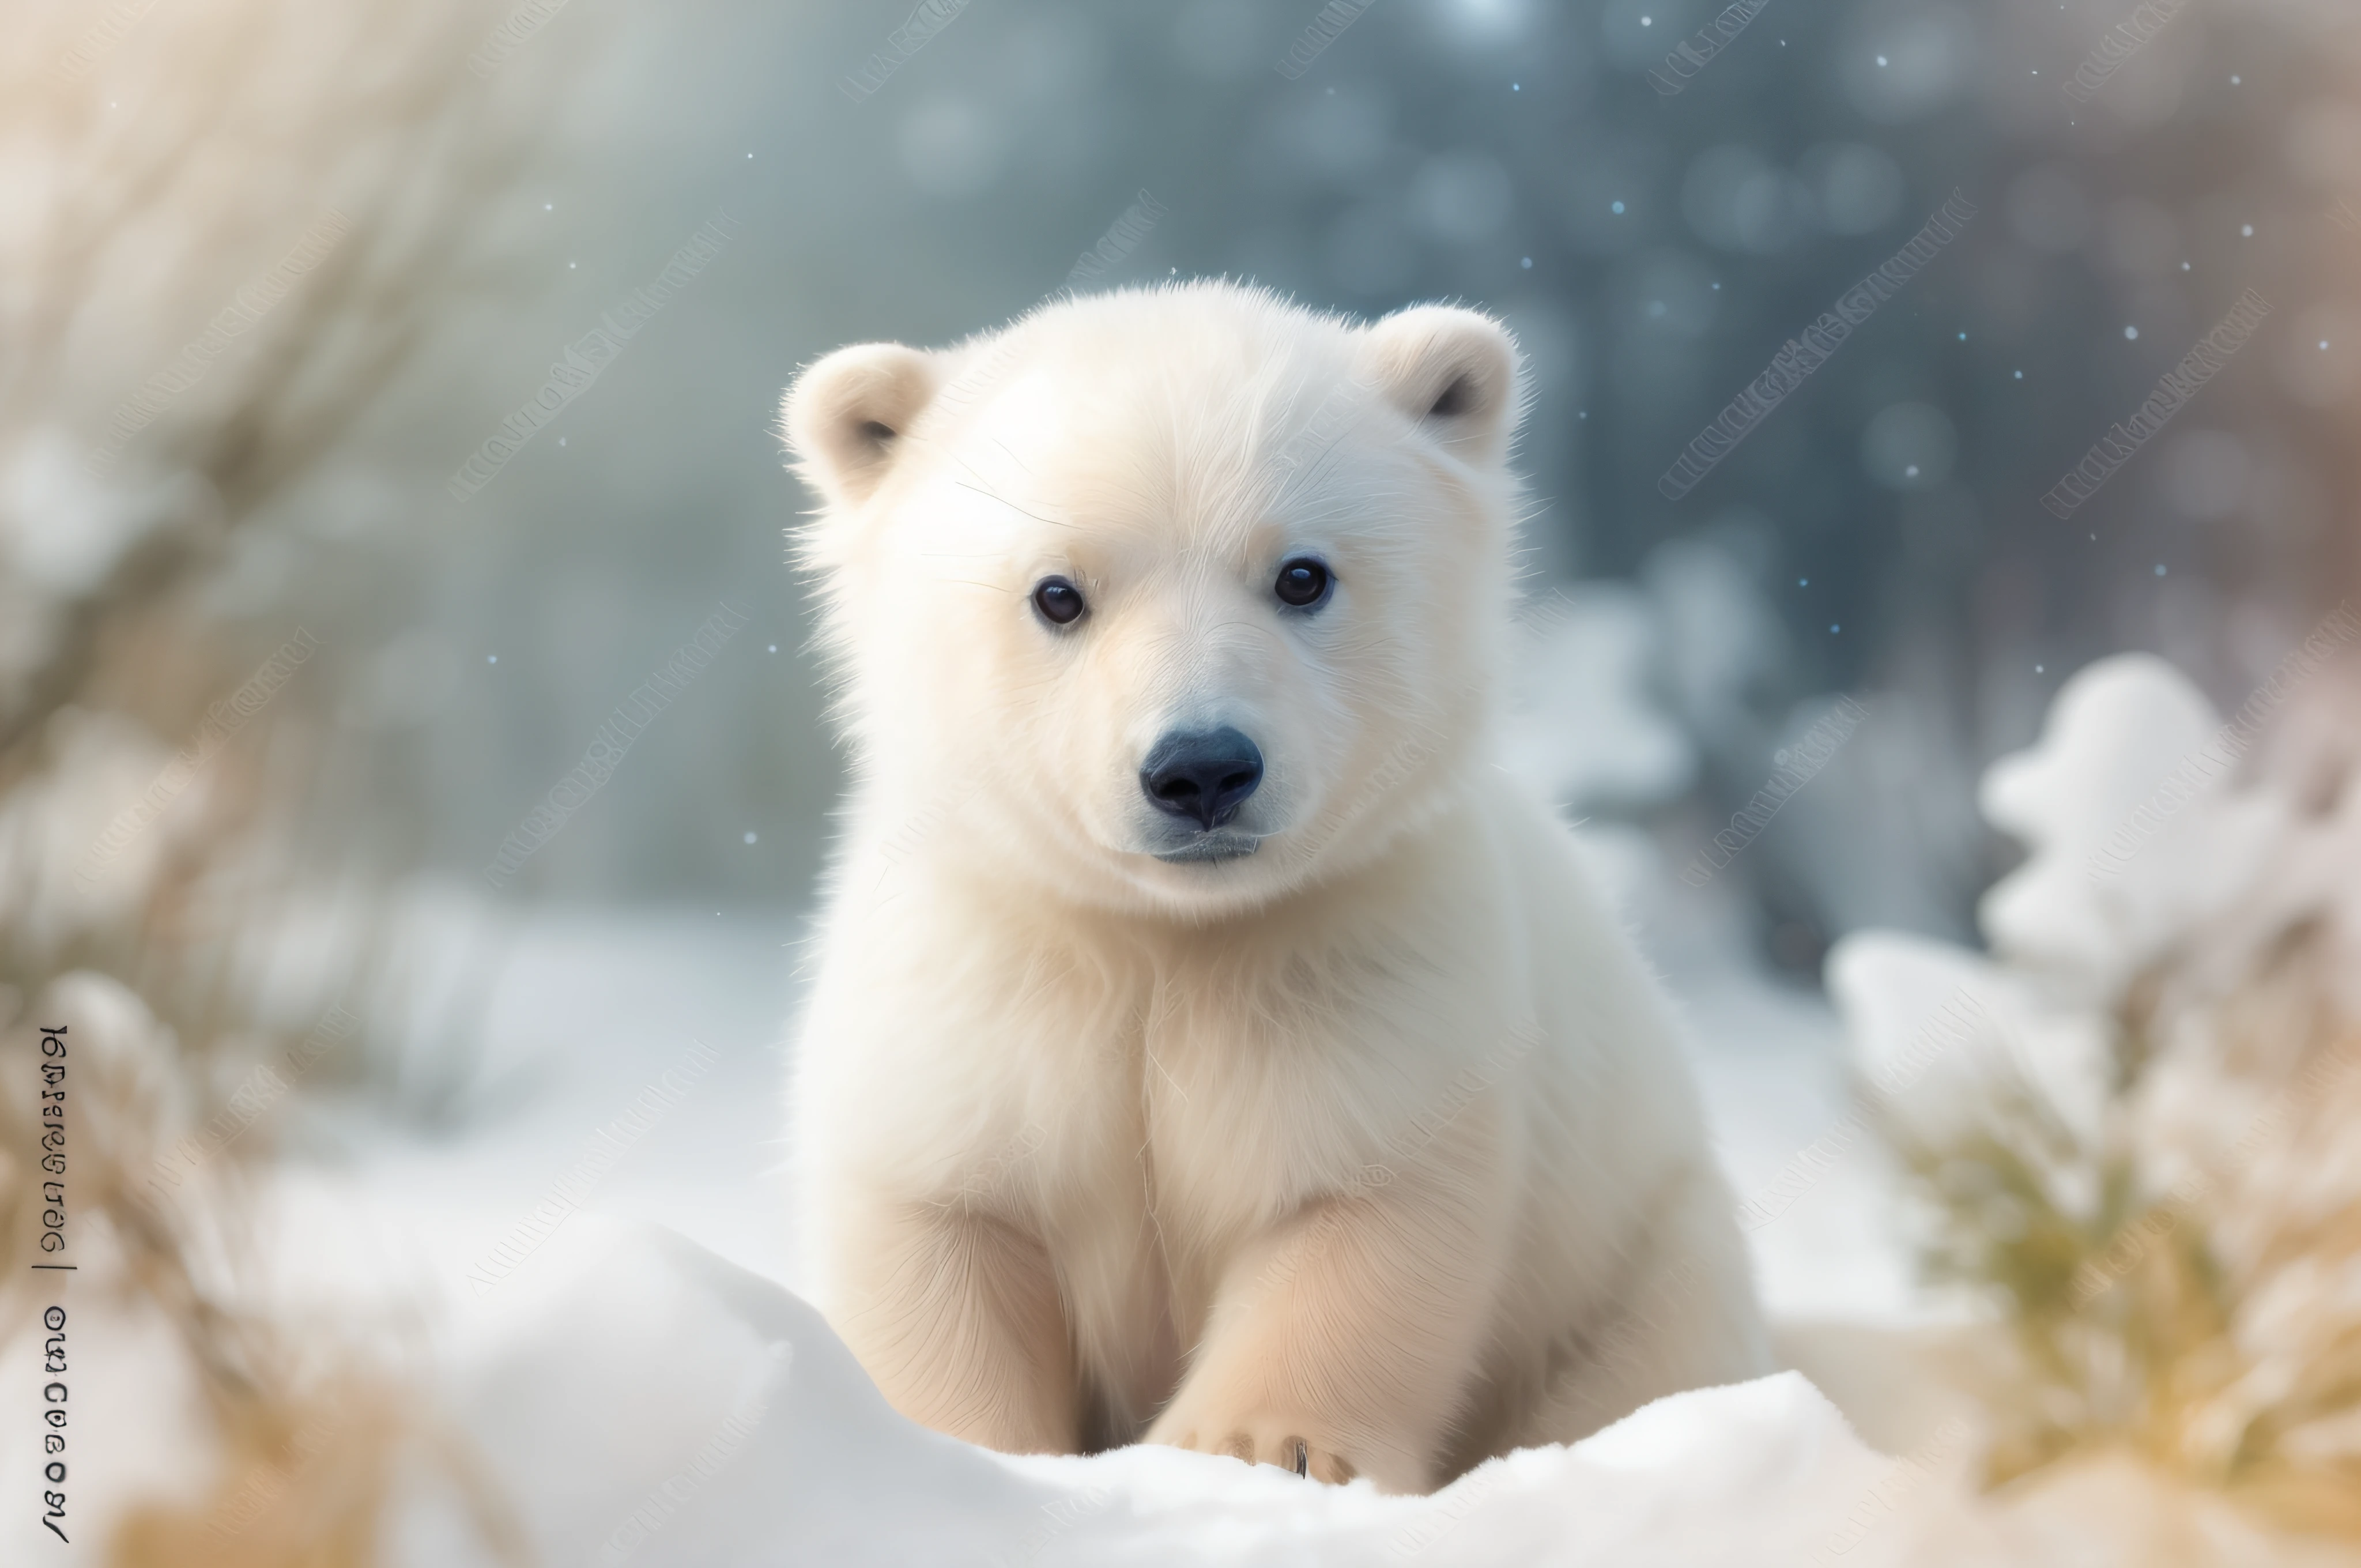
<point>1228,1102</point>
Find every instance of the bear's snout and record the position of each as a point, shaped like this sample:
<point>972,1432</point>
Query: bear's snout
<point>1203,777</point>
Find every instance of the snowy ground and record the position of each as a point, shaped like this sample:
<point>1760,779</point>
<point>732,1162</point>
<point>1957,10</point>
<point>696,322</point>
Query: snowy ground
<point>593,1007</point>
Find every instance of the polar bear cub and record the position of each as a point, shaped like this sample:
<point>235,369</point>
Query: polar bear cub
<point>1208,1042</point>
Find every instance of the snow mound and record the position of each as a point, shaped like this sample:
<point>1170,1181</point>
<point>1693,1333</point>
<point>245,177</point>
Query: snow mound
<point>643,1400</point>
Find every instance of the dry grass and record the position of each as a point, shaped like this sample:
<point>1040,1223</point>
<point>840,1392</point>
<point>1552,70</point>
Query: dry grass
<point>305,1482</point>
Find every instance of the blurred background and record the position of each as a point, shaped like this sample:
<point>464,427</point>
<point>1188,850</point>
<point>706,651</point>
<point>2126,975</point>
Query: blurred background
<point>1880,532</point>
<point>274,690</point>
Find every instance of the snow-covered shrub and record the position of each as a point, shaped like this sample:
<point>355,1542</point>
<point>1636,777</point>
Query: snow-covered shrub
<point>2140,1147</point>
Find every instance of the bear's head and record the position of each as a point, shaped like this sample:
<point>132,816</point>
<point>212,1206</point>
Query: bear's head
<point>1170,600</point>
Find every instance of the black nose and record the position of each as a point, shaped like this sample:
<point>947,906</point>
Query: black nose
<point>1204,777</point>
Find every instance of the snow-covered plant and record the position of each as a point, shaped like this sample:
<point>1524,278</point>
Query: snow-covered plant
<point>2142,1151</point>
<point>227,227</point>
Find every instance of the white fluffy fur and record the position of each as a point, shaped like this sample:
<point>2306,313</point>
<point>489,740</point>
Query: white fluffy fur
<point>1369,1152</point>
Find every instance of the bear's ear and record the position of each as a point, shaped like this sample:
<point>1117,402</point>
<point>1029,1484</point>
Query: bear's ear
<point>846,417</point>
<point>1454,372</point>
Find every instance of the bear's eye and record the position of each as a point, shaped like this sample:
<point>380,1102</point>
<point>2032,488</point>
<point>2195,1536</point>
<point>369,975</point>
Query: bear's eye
<point>1057,600</point>
<point>1303,582</point>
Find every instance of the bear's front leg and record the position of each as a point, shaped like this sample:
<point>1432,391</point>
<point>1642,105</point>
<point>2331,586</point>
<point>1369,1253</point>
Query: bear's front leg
<point>1344,1340</point>
<point>957,1316</point>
